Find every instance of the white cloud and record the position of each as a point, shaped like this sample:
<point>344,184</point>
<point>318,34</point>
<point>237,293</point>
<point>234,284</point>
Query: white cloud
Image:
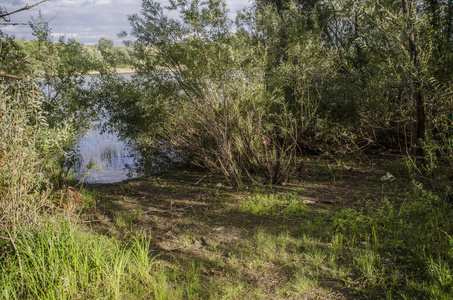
<point>86,20</point>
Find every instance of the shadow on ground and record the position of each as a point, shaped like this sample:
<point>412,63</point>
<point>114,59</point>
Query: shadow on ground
<point>195,219</point>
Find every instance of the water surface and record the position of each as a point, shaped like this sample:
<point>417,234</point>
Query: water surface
<point>117,160</point>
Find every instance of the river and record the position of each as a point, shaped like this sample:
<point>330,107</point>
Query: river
<point>117,161</point>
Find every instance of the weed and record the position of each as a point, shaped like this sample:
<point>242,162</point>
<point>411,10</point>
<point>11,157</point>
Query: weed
<point>61,261</point>
<point>331,172</point>
<point>187,240</point>
<point>262,204</point>
<point>397,243</point>
<point>399,168</point>
<point>302,283</point>
<point>125,219</point>
<point>440,273</point>
<point>337,242</point>
<point>91,197</point>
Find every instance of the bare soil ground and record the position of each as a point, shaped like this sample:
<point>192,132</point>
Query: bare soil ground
<point>193,217</point>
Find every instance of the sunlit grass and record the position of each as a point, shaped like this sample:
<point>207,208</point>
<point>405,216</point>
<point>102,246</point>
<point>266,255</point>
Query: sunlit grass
<point>60,260</point>
<point>396,244</point>
<point>125,219</point>
<point>261,204</point>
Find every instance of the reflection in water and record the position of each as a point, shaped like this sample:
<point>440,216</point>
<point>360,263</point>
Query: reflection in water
<point>120,162</point>
<point>117,160</point>
<point>108,155</point>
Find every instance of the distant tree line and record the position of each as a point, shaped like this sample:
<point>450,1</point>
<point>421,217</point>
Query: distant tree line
<point>104,52</point>
<point>115,56</point>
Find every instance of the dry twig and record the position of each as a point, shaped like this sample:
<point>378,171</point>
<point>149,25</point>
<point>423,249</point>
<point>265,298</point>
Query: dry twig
<point>26,7</point>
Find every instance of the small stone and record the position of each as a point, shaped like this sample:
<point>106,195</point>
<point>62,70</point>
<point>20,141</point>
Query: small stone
<point>388,176</point>
<point>310,202</point>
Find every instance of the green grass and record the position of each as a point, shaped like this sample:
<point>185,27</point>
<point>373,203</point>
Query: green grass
<point>395,241</point>
<point>60,260</point>
<point>262,204</point>
<point>398,245</point>
<point>125,219</point>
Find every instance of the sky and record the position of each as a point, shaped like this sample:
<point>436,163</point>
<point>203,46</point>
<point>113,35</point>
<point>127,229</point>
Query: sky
<point>83,20</point>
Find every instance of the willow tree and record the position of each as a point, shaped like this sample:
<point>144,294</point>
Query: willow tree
<point>400,53</point>
<point>206,90</point>
<point>405,51</point>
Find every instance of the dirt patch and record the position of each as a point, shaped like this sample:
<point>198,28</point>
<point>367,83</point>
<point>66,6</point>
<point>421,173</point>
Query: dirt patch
<point>192,217</point>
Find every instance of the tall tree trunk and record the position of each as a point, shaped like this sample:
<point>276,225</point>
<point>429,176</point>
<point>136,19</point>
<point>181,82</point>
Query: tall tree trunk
<point>420,113</point>
<point>449,19</point>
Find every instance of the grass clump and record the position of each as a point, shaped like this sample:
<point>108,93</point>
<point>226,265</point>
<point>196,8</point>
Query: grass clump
<point>398,241</point>
<point>126,219</point>
<point>60,260</point>
<point>265,204</point>
<point>389,239</point>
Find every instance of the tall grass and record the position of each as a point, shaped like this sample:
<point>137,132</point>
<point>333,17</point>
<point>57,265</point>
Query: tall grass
<point>401,245</point>
<point>33,156</point>
<point>60,260</point>
<point>21,180</point>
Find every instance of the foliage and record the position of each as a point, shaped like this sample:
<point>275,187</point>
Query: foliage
<point>60,260</point>
<point>114,56</point>
<point>206,91</point>
<point>42,116</point>
<point>22,178</point>
<point>408,231</point>
<point>64,81</point>
<point>336,76</point>
<point>393,240</point>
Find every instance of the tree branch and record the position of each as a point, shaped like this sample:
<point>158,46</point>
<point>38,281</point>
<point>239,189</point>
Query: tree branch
<point>13,24</point>
<point>16,24</point>
<point>26,7</point>
<point>13,77</point>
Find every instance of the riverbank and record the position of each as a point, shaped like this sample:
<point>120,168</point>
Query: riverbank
<point>119,71</point>
<point>337,230</point>
<point>125,71</point>
<point>332,233</point>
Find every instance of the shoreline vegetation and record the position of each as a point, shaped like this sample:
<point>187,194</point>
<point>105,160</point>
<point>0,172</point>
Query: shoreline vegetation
<point>316,141</point>
<point>187,234</point>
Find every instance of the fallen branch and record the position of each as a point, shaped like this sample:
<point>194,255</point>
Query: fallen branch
<point>200,180</point>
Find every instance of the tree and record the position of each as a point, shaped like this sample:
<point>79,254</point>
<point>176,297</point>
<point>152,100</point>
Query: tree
<point>30,149</point>
<point>205,94</point>
<point>105,44</point>
<point>313,75</point>
<point>5,15</point>
<point>52,74</point>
